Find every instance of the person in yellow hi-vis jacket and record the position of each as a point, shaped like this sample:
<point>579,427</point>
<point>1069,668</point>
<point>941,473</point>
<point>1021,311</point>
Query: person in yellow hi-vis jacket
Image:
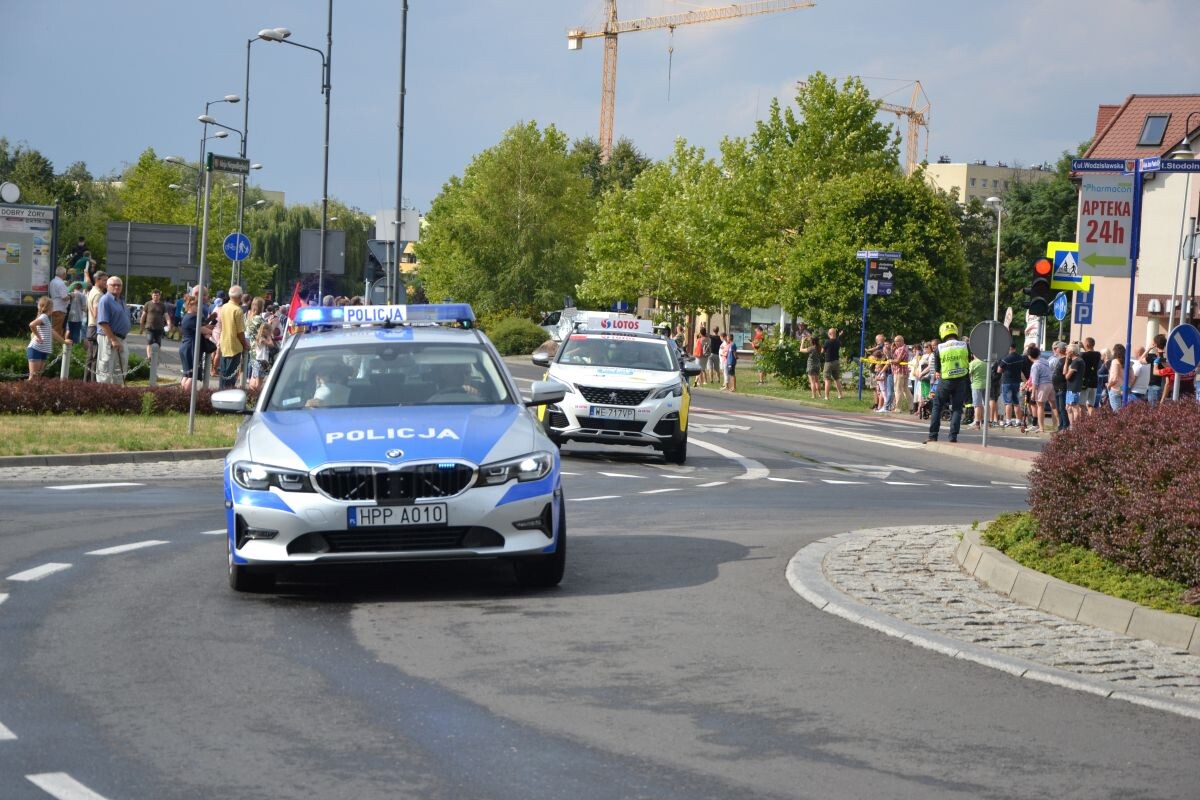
<point>951,372</point>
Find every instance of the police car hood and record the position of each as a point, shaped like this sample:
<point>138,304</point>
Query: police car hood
<point>307,438</point>
<point>616,377</point>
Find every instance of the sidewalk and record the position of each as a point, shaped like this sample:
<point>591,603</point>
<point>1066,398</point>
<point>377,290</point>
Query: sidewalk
<point>905,582</point>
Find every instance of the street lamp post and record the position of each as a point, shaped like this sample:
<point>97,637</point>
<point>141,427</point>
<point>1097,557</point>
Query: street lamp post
<point>997,204</point>
<point>1183,151</point>
<point>204,137</point>
<point>277,35</point>
<point>400,146</point>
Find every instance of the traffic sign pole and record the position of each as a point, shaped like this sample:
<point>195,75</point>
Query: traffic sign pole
<point>862,338</point>
<point>1135,247</point>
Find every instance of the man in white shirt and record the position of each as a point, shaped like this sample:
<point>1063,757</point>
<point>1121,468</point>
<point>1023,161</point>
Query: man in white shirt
<point>61,301</point>
<point>1139,375</point>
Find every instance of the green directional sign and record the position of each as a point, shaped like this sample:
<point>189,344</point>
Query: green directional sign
<point>1096,260</point>
<point>233,164</point>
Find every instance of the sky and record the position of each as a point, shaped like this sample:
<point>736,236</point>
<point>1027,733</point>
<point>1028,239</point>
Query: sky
<point>1017,81</point>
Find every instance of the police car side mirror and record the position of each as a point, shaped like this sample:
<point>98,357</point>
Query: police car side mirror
<point>540,359</point>
<point>543,393</point>
<point>230,401</point>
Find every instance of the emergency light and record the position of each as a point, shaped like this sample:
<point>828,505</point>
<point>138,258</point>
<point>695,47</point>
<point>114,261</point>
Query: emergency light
<point>433,313</point>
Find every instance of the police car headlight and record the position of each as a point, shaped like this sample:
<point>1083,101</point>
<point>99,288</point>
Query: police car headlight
<point>670,391</point>
<point>523,468</point>
<point>260,477</point>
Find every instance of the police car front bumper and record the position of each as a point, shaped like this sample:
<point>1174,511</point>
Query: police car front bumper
<point>275,528</point>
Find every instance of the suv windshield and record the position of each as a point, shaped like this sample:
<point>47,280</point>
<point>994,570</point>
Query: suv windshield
<point>617,351</point>
<point>395,374</point>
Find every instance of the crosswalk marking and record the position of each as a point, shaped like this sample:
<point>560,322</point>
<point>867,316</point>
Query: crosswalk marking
<point>62,786</point>
<point>37,573</point>
<point>125,548</point>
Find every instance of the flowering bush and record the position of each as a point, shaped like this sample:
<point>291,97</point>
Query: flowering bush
<point>783,359</point>
<point>77,397</point>
<point>1127,486</point>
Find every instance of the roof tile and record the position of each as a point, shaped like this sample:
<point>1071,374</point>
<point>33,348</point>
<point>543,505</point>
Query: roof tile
<point>1119,127</point>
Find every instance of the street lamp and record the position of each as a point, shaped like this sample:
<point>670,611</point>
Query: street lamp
<point>1183,152</point>
<point>281,35</point>
<point>998,204</point>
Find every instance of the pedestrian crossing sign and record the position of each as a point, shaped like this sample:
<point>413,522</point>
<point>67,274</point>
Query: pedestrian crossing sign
<point>1067,276</point>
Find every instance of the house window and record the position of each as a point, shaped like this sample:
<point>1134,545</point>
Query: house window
<point>1153,130</point>
<point>972,181</point>
<point>1006,184</point>
<point>995,184</point>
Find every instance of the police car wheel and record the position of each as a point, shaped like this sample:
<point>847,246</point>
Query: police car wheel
<point>676,454</point>
<point>243,579</point>
<point>544,572</point>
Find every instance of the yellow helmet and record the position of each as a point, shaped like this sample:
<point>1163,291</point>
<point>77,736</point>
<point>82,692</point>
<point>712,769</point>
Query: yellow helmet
<point>947,329</point>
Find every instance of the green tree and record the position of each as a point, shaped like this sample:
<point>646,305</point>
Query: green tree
<point>623,166</point>
<point>885,211</point>
<point>657,238</point>
<point>508,236</point>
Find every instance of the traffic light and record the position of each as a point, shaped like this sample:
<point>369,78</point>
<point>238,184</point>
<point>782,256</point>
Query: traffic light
<point>1040,294</point>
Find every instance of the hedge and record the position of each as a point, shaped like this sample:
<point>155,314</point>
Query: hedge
<point>516,337</point>
<point>47,396</point>
<point>1127,486</point>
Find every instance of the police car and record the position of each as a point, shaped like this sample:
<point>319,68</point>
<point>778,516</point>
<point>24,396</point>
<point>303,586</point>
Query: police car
<point>624,385</point>
<point>391,433</point>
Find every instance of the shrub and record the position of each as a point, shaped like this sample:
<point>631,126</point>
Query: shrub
<point>1125,486</point>
<point>783,359</point>
<point>14,366</point>
<point>516,337</point>
<point>77,397</point>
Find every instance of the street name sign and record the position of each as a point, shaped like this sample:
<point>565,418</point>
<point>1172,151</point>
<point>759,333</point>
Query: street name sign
<point>1105,222</point>
<point>1183,348</point>
<point>233,164</point>
<point>237,247</point>
<point>1098,165</point>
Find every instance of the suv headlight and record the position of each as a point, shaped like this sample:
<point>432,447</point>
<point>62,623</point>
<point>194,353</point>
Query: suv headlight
<point>670,391</point>
<point>523,468</point>
<point>261,477</point>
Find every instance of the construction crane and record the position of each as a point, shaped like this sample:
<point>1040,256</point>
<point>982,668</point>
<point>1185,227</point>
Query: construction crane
<point>614,28</point>
<point>918,117</point>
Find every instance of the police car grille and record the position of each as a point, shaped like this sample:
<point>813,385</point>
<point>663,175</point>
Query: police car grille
<point>398,485</point>
<point>613,397</point>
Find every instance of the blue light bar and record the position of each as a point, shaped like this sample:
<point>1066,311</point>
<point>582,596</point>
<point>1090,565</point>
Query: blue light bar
<point>379,315</point>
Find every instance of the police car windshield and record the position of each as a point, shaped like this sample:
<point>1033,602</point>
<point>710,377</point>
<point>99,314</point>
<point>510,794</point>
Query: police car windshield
<point>617,351</point>
<point>391,374</point>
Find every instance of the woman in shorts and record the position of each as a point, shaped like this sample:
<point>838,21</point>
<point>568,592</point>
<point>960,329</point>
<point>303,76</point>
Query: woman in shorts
<point>42,338</point>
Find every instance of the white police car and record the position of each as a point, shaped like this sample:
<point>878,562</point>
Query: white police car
<point>387,435</point>
<point>624,385</point>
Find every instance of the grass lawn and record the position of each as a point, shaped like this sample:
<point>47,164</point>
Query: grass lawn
<point>1015,536</point>
<point>23,435</point>
<point>747,385</point>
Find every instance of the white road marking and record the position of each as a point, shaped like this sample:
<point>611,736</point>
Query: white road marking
<point>1010,484</point>
<point>62,786</point>
<point>125,548</point>
<point>904,483</point>
<point>619,475</point>
<point>713,483</point>
<point>708,415</point>
<point>859,435</point>
<point>75,486</point>
<point>564,472</point>
<point>785,480</point>
<point>3,597</point>
<point>598,497</point>
<point>660,491</point>
<point>37,573</point>
<point>754,469</point>
<point>967,485</point>
<point>680,477</point>
<point>842,483</point>
<point>696,427</point>
<point>1022,488</point>
<point>213,532</point>
<point>6,735</point>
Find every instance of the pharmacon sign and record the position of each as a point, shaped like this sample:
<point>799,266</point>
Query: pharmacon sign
<point>1105,222</point>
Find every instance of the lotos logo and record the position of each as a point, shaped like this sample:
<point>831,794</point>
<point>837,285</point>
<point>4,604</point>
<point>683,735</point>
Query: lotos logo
<point>620,324</point>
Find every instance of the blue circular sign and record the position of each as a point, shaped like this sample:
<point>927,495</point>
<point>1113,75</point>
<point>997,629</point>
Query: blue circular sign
<point>237,247</point>
<point>1060,306</point>
<point>1183,348</point>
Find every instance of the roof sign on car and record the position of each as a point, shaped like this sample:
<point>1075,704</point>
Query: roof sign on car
<point>445,313</point>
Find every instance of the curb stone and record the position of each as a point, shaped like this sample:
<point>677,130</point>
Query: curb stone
<point>999,572</point>
<point>981,456</point>
<point>806,575</point>
<point>130,457</point>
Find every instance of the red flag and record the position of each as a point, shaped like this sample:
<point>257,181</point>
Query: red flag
<point>296,304</point>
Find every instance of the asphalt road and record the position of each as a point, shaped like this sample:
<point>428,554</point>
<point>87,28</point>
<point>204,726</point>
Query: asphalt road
<point>674,661</point>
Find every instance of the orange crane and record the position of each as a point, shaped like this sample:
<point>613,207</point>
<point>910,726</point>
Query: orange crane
<point>614,27</point>
<point>918,117</point>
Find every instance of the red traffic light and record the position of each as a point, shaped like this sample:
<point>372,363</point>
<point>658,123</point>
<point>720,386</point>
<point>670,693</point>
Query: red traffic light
<point>1043,267</point>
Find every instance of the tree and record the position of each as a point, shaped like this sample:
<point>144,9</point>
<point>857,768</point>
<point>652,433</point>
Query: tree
<point>879,210</point>
<point>657,238</point>
<point>773,175</point>
<point>622,167</point>
<point>508,236</point>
